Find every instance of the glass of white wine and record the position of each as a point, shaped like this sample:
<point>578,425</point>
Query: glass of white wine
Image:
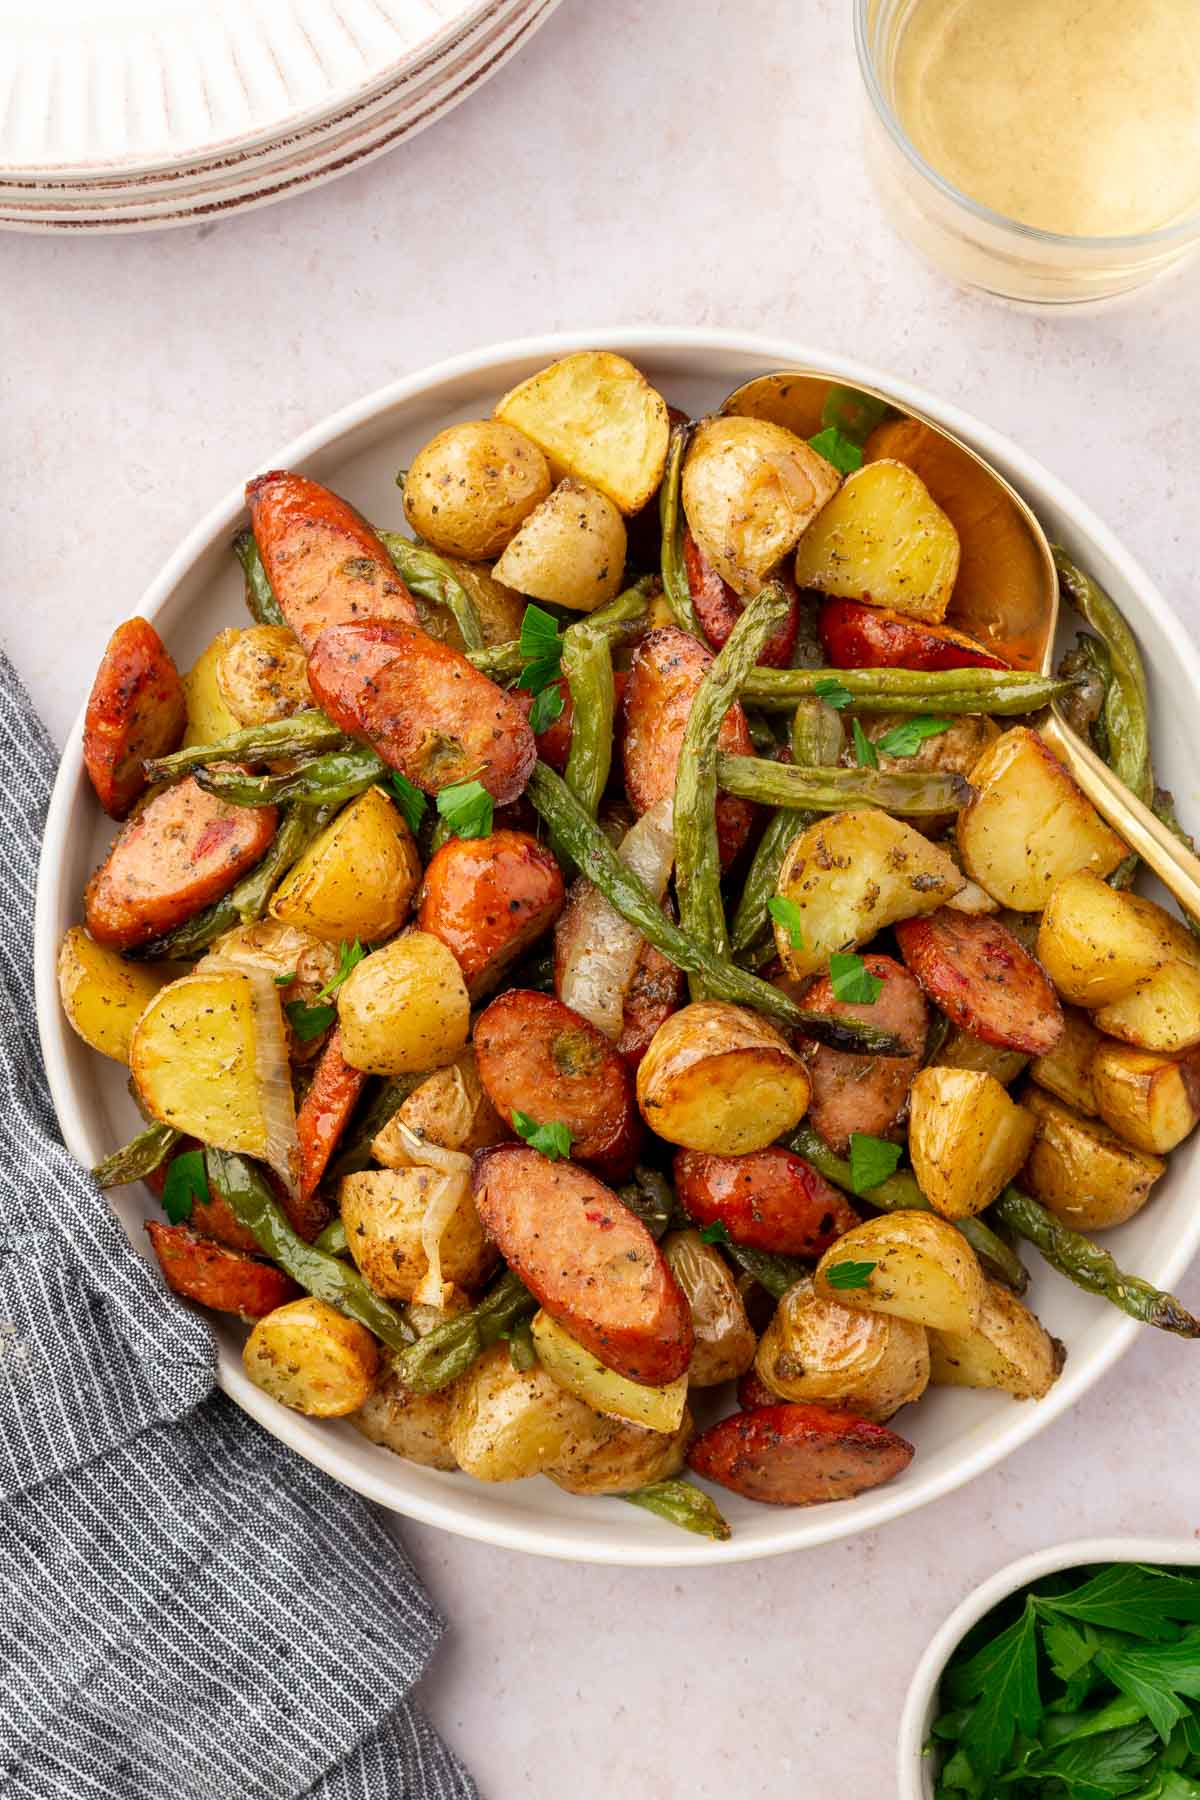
<point>1046,150</point>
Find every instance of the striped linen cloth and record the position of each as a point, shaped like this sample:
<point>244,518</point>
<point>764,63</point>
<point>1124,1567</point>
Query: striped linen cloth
<point>188,1611</point>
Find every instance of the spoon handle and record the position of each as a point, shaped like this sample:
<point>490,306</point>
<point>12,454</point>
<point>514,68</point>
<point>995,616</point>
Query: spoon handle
<point>1158,847</point>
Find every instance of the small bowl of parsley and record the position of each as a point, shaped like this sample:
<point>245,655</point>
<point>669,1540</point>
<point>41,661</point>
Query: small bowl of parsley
<point>1073,1674</point>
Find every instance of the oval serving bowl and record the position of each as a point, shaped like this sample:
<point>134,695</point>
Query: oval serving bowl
<point>957,1434</point>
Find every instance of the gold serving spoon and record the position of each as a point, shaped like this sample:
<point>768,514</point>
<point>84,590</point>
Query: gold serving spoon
<point>1006,595</point>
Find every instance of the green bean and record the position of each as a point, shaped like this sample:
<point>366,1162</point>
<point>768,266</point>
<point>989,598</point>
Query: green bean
<point>697,852</point>
<point>521,1352</point>
<point>1090,1267</point>
<point>587,665</point>
<point>261,603</point>
<point>428,575</point>
<point>752,918</point>
<point>1127,701</point>
<point>679,1503</point>
<point>499,661</point>
<point>450,1349</point>
<point>333,1239</point>
<point>773,1272</point>
<point>1164,809</point>
<point>649,1195</point>
<point>674,570</point>
<point>327,1278</point>
<point>588,847</point>
<point>1089,663</point>
<point>138,1158</point>
<point>818,735</point>
<point>900,1193</point>
<point>992,691</point>
<point>300,735</point>
<point>914,794</point>
<point>333,778</point>
<point>761,734</point>
<point>355,1154</point>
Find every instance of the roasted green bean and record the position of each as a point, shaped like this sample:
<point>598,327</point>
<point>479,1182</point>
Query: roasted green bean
<point>425,573</point>
<point>261,603</point>
<point>674,570</point>
<point>333,778</point>
<point>1127,701</point>
<point>355,1154</point>
<point>300,735</point>
<point>333,1239</point>
<point>450,1349</point>
<point>587,664</point>
<point>912,794</point>
<point>773,1272</point>
<point>818,736</point>
<point>138,1158</point>
<point>651,1197</point>
<point>993,691</point>
<point>679,1503</point>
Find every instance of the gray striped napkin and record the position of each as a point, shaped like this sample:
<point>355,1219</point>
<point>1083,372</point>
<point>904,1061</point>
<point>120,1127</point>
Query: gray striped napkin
<point>188,1611</point>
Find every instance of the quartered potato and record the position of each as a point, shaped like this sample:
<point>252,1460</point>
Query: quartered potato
<point>208,717</point>
<point>967,1139</point>
<point>194,1061</point>
<point>1082,1171</point>
<point>719,1077</point>
<point>1007,1349</point>
<point>414,1426</point>
<point>1148,1098</point>
<point>629,1458</point>
<point>384,1210</point>
<point>597,418</point>
<point>1162,1014</point>
<point>470,487</point>
<point>357,879</point>
<point>570,550</point>
<point>578,1372</point>
<point>507,1423</point>
<point>309,1356</point>
<point>749,490</point>
<point>498,608</point>
<point>449,1109</point>
<point>917,1267</point>
<point>1066,1070</point>
<point>963,1050</point>
<point>883,539</point>
<point>816,1349</point>
<point>262,674</point>
<point>1098,943</point>
<point>103,995</point>
<point>724,1342</point>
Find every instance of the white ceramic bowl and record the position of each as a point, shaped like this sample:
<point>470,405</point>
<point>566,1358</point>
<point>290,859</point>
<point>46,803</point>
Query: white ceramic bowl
<point>915,1769</point>
<point>957,1434</point>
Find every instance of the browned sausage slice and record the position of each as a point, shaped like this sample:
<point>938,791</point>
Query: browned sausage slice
<point>225,1280</point>
<point>181,852</point>
<point>790,1455</point>
<point>137,709</point>
<point>718,608</point>
<point>668,666</point>
<point>768,1200</point>
<point>323,560</point>
<point>866,1093</point>
<point>487,899</point>
<point>541,1058</point>
<point>423,707</point>
<point>655,992</point>
<point>976,972</point>
<point>591,1263</point>
<point>753,1391</point>
<point>212,1218</point>
<point>324,1113</point>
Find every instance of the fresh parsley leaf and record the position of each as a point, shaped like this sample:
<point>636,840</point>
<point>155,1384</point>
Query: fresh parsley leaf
<point>788,914</point>
<point>547,706</point>
<point>1155,1675</point>
<point>865,754</point>
<point>838,449</point>
<point>308,1022</point>
<point>831,691</point>
<point>349,957</point>
<point>906,738</point>
<point>186,1183</point>
<point>467,809</point>
<point>1130,1597</point>
<point>553,1140</point>
<point>851,979</point>
<point>285,980</point>
<point>715,1233</point>
<point>411,801</point>
<point>872,1160</point>
<point>1096,1766</point>
<point>541,648</point>
<point>1002,1678</point>
<point>1069,1650</point>
<point>849,1274</point>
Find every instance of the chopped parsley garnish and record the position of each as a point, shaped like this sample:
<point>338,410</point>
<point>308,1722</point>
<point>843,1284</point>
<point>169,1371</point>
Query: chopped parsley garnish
<point>547,706</point>
<point>553,1140</point>
<point>467,809</point>
<point>308,1022</point>
<point>851,979</point>
<point>865,754</point>
<point>849,1274</point>
<point>541,649</point>
<point>408,798</point>
<point>285,980</point>
<point>787,913</point>
<point>872,1160</point>
<point>715,1233</point>
<point>838,449</point>
<point>906,738</point>
<point>831,691</point>
<point>185,1184</point>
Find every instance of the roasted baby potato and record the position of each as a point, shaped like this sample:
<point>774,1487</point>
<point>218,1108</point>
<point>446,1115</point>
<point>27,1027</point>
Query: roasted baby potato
<point>357,879</point>
<point>1081,1171</point>
<point>630,1457</point>
<point>818,1349</point>
<point>471,486</point>
<point>449,1109</point>
<point>1066,1070</point>
<point>570,550</point>
<point>719,1077</point>
<point>1008,1349</point>
<point>967,1139</point>
<point>852,874</point>
<point>917,1266</point>
<point>262,675</point>
<point>883,539</point>
<point>506,1423</point>
<point>598,419</point>
<point>1162,1014</point>
<point>499,610</point>
<point>749,490</point>
<point>1029,825</point>
<point>1098,943</point>
<point>578,1372</point>
<point>724,1342</point>
<point>280,950</point>
<point>309,1356</point>
<point>384,1210</point>
<point>1150,1100</point>
<point>194,1059</point>
<point>415,1426</point>
<point>208,717</point>
<point>103,995</point>
<point>963,1050</point>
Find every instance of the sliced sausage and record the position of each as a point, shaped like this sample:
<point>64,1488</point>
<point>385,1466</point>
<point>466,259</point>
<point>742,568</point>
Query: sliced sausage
<point>554,744</point>
<point>657,990</point>
<point>136,709</point>
<point>182,851</point>
<point>423,707</point>
<point>323,560</point>
<point>488,899</point>
<point>539,1057</point>
<point>769,1200</point>
<point>223,1279</point>
<point>753,1391</point>
<point>718,608</point>
<point>855,636</point>
<point>591,1263</point>
<point>852,1092</point>
<point>325,1112</point>
<point>212,1218</point>
<point>976,972</point>
<point>668,666</point>
<point>792,1455</point>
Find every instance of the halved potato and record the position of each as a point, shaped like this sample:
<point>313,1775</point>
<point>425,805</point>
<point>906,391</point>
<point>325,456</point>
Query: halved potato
<point>1066,1071</point>
<point>1149,1099</point>
<point>818,1350</point>
<point>194,1061</point>
<point>1162,1014</point>
<point>597,418</point>
<point>383,1211</point>
<point>1008,1349</point>
<point>724,1341</point>
<point>357,879</point>
<point>1081,1171</point>
<point>1098,943</point>
<point>629,1457</point>
<point>570,550</point>
<point>449,1109</point>
<point>1029,825</point>
<point>882,539</point>
<point>603,1390</point>
<point>917,1266</point>
<point>508,1423</point>
<point>469,488</point>
<point>262,674</point>
<point>749,490</point>
<point>404,1007</point>
<point>852,874</point>
<point>963,1050</point>
<point>721,1078</point>
<point>309,1356</point>
<point>966,1138</point>
<point>104,996</point>
<point>499,609</point>
<point>208,717</point>
<point>415,1426</point>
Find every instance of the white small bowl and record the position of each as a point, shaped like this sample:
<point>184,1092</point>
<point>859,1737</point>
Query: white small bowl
<point>920,1708</point>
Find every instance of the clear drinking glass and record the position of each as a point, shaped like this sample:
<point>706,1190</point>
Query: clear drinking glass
<point>968,239</point>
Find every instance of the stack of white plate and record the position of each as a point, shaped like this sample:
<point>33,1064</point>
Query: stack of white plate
<point>132,116</point>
